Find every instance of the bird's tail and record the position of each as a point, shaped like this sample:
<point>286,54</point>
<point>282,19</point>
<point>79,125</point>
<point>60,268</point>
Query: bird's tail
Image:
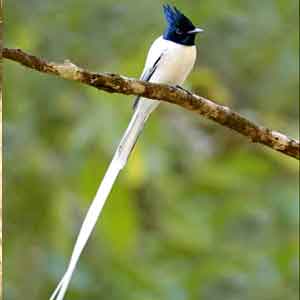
<point>118,162</point>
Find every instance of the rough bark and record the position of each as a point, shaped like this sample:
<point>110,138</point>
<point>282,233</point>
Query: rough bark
<point>114,83</point>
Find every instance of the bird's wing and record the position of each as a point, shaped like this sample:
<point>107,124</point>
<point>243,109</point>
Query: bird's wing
<point>147,74</point>
<point>119,160</point>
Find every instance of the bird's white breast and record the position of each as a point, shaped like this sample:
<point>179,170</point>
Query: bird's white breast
<point>176,63</point>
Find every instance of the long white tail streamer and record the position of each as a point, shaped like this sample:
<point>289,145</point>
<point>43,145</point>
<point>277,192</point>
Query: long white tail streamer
<point>118,162</point>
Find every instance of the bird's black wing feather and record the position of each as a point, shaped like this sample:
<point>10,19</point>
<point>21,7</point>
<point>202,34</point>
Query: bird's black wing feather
<point>146,76</point>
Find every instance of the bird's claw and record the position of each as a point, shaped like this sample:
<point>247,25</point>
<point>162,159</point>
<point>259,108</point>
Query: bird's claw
<point>183,89</point>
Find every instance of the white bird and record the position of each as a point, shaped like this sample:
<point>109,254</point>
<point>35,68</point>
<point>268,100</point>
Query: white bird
<point>170,60</point>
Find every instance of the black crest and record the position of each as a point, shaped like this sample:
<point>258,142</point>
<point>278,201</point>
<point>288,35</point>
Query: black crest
<point>176,19</point>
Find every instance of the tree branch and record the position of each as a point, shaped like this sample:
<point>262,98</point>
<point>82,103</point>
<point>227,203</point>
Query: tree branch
<point>114,83</point>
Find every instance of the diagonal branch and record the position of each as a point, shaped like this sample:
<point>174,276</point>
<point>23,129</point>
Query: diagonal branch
<point>114,83</point>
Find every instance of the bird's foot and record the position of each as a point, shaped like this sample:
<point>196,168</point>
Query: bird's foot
<point>183,89</point>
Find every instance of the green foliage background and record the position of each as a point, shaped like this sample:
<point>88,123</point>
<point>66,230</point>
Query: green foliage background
<point>199,212</point>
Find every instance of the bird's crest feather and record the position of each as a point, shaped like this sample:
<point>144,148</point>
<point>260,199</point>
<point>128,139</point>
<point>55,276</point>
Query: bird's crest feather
<point>177,19</point>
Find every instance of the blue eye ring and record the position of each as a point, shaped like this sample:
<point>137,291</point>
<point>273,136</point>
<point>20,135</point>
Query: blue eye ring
<point>178,31</point>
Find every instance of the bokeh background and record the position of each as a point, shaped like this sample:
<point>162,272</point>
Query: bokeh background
<point>199,213</point>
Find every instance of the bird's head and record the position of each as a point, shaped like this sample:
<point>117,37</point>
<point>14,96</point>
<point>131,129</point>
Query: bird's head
<point>179,29</point>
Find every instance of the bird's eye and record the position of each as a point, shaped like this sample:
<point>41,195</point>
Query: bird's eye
<point>178,31</point>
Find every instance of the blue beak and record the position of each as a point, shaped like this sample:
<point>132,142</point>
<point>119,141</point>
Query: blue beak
<point>196,30</point>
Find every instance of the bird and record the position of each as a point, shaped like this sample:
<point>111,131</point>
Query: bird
<point>170,60</point>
